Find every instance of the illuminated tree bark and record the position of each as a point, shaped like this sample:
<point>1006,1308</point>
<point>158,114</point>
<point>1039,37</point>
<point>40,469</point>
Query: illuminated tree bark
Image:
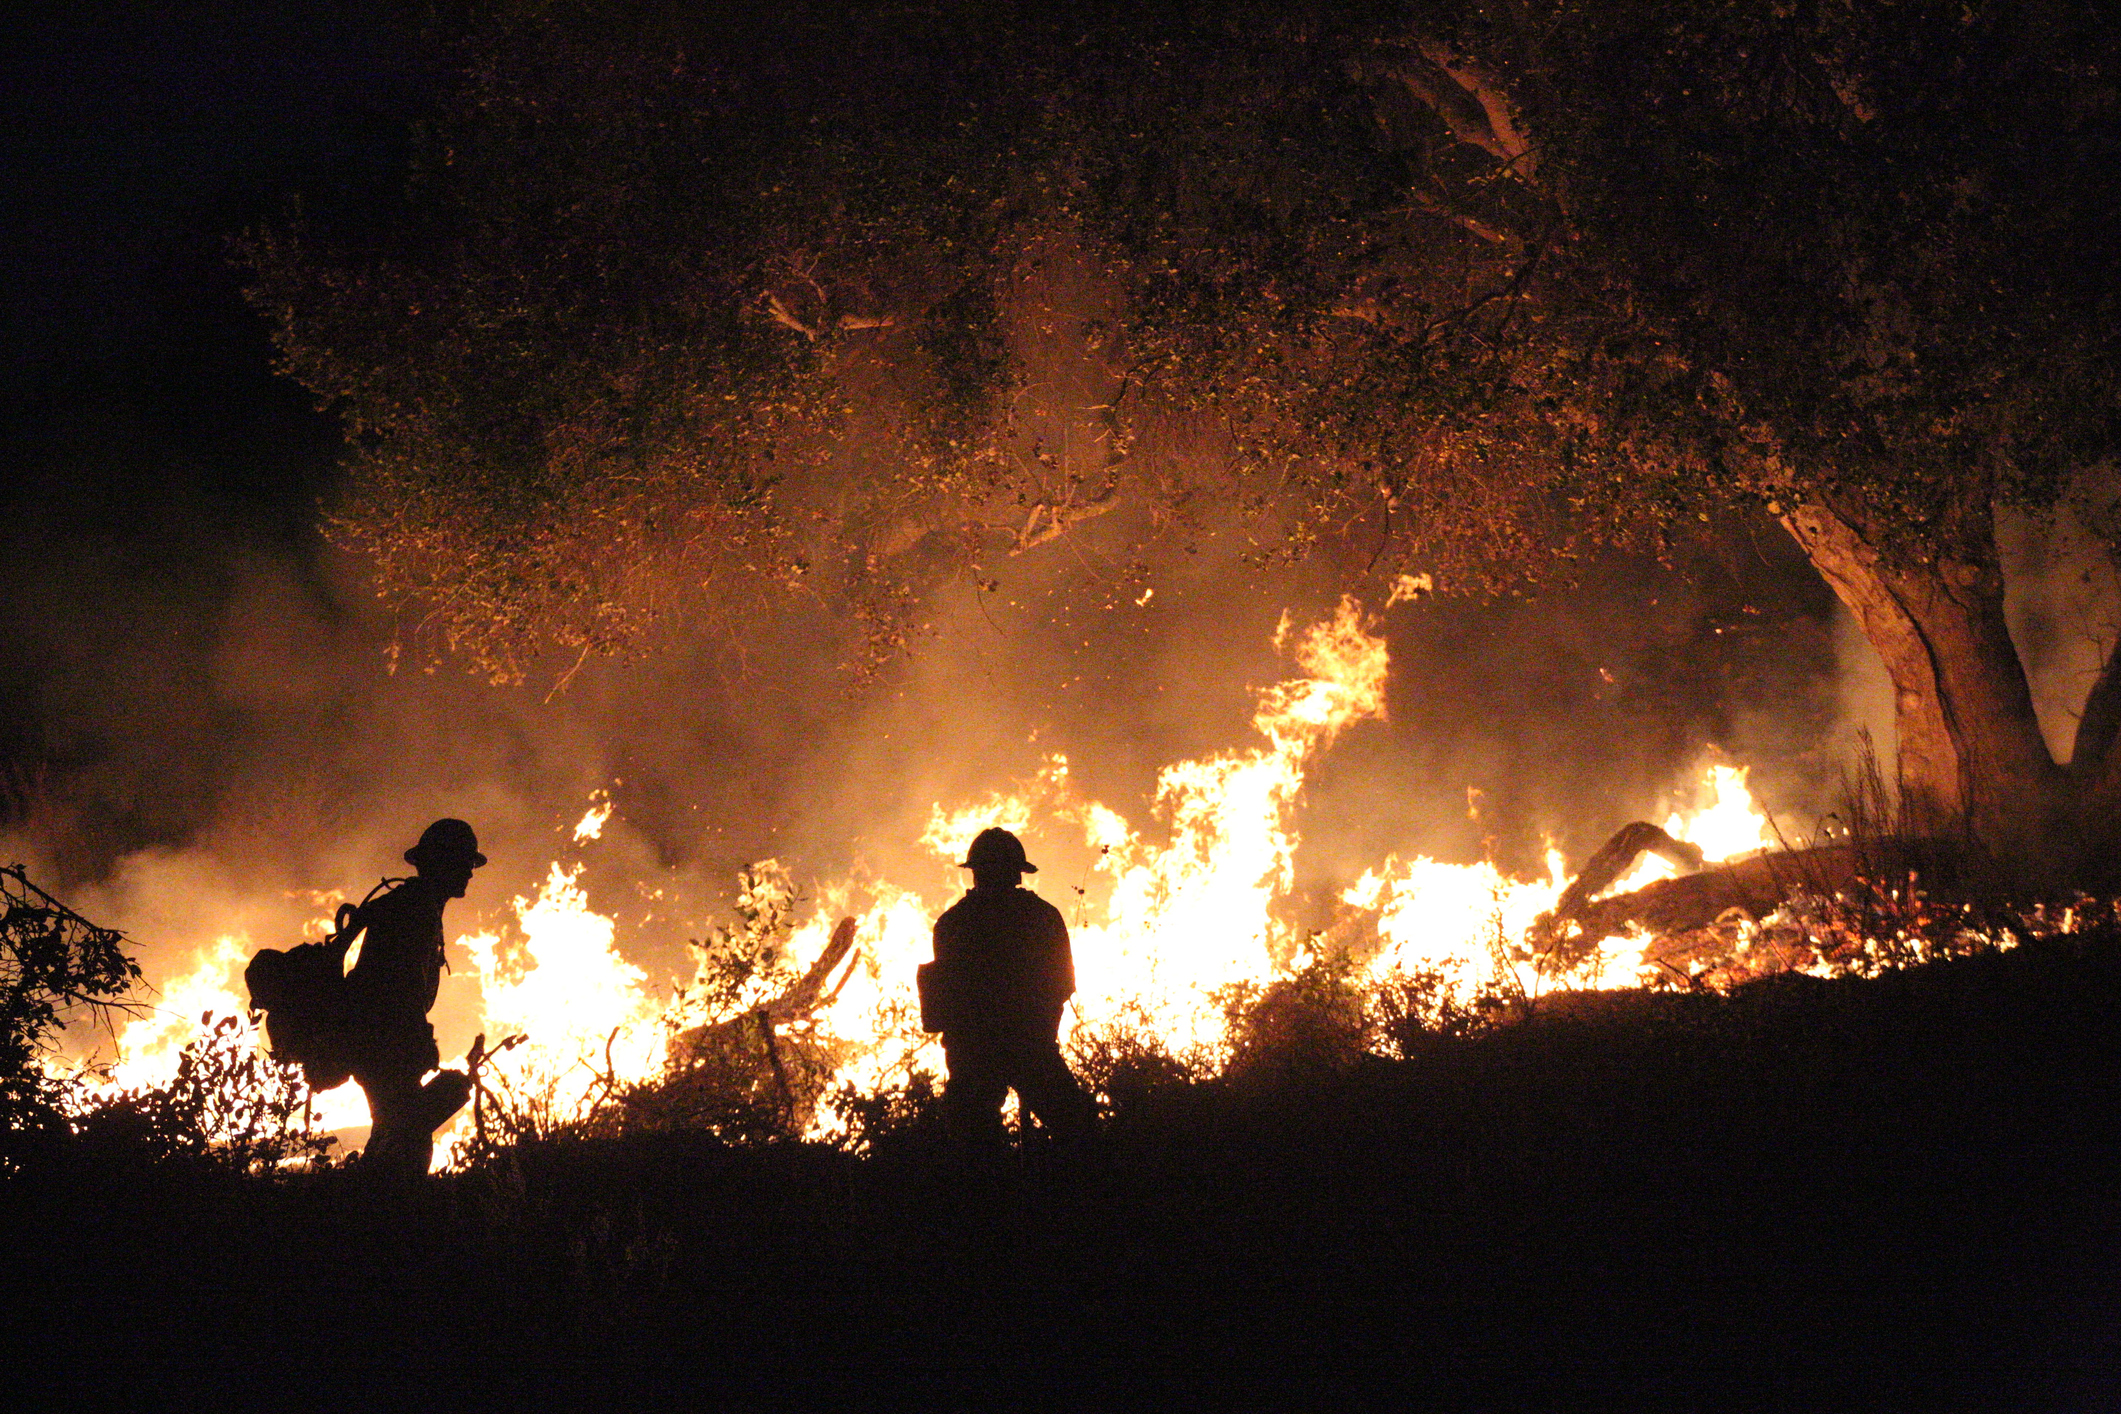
<point>1895,307</point>
<point>1971,752</point>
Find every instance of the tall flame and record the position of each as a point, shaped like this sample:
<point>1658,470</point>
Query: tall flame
<point>1186,907</point>
<point>587,1019</point>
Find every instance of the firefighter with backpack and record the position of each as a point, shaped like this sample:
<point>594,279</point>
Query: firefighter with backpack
<point>371,1023</point>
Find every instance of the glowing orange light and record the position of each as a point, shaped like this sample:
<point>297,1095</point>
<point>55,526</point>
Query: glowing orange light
<point>1189,905</point>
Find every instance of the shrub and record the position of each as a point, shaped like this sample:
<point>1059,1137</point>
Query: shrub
<point>1410,1014</point>
<point>230,1106</point>
<point>1126,1065</point>
<point>888,1115</point>
<point>1313,1022</point>
<point>55,966</point>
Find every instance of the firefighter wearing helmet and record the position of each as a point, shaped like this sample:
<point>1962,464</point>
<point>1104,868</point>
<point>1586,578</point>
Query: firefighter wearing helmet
<point>1002,973</point>
<point>389,992</point>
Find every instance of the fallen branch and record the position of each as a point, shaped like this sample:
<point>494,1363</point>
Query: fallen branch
<point>806,997</point>
<point>1750,888</point>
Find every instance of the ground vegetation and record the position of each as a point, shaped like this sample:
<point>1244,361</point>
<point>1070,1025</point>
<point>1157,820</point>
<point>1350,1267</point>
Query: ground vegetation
<point>1879,1189</point>
<point>56,969</point>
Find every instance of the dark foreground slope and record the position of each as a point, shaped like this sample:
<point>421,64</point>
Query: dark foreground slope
<point>1890,1193</point>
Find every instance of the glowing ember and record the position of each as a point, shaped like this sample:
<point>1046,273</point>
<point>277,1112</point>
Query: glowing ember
<point>591,825</point>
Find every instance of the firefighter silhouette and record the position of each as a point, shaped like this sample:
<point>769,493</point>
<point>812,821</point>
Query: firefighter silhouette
<point>390,990</point>
<point>1002,973</point>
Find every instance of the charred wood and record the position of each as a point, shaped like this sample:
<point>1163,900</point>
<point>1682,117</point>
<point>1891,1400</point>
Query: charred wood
<point>1680,914</point>
<point>1614,859</point>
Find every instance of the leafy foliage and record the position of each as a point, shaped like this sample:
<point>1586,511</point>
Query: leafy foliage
<point>1312,1021</point>
<point>757,296</point>
<point>740,964</point>
<point>230,1106</point>
<point>1417,1013</point>
<point>1129,1068</point>
<point>735,1067</point>
<point>55,967</point>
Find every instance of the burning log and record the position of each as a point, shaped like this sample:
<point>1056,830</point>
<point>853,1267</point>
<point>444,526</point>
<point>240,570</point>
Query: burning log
<point>743,1055</point>
<point>1756,887</point>
<point>1693,913</point>
<point>1614,859</point>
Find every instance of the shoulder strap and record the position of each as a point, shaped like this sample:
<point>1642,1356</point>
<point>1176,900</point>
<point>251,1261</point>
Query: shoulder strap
<point>351,918</point>
<point>383,886</point>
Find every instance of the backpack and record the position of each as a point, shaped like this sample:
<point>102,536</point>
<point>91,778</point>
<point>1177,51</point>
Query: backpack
<point>941,993</point>
<point>302,991</point>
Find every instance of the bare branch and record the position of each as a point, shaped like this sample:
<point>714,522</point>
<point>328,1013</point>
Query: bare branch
<point>783,313</point>
<point>786,318</point>
<point>1050,520</point>
<point>808,994</point>
<point>1472,225</point>
<point>1503,129</point>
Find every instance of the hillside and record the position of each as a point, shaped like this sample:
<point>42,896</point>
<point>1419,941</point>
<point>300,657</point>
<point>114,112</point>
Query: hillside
<point>1806,1192</point>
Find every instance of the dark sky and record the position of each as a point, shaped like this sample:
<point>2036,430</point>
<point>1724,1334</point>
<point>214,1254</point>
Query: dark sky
<point>139,137</point>
<point>148,447</point>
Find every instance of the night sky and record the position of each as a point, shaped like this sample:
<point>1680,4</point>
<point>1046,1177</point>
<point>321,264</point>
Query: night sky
<point>149,450</point>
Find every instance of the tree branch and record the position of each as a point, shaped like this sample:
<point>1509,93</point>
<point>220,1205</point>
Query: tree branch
<point>1504,134</point>
<point>1470,99</point>
<point>782,315</point>
<point>1049,520</point>
<point>1472,225</point>
<point>778,311</point>
<point>808,994</point>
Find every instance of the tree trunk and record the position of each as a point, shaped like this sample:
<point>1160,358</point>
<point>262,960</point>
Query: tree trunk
<point>1972,760</point>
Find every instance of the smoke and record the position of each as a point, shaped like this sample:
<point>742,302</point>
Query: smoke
<point>227,750</point>
<point>1864,699</point>
<point>205,734</point>
<point>210,735</point>
<point>2062,600</point>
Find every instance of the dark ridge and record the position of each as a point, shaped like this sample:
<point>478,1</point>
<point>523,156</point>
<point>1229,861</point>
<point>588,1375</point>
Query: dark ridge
<point>1856,1192</point>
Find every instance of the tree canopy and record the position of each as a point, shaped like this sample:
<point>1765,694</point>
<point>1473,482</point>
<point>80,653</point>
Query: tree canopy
<point>747,297</point>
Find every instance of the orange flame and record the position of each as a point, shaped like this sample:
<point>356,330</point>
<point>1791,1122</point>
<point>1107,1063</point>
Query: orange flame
<point>1188,907</point>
